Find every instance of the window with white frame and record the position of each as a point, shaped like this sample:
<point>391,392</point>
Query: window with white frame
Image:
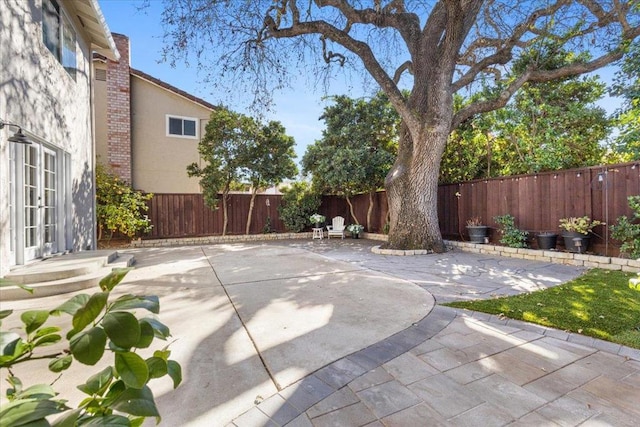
<point>59,36</point>
<point>182,127</point>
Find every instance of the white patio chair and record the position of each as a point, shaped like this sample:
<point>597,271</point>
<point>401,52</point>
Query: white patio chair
<point>337,227</point>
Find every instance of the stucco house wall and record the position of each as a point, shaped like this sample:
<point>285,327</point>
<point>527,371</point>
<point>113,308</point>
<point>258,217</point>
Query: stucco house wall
<point>152,159</point>
<point>160,160</point>
<point>55,111</point>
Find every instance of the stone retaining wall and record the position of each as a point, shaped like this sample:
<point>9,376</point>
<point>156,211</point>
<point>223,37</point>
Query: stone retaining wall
<point>568,258</point>
<point>209,240</point>
<point>580,260</point>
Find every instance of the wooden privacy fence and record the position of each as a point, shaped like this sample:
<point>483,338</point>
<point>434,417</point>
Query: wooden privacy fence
<point>537,201</point>
<point>186,215</point>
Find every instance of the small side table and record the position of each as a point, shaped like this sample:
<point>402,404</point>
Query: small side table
<point>317,233</point>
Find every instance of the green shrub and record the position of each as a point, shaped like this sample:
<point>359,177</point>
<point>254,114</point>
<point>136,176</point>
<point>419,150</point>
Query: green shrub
<point>298,204</point>
<point>118,395</point>
<point>120,208</point>
<point>627,231</point>
<point>511,235</point>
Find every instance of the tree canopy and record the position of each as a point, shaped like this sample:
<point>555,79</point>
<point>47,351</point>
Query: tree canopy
<point>627,86</point>
<point>236,147</point>
<point>546,126</point>
<point>434,49</point>
<point>357,148</point>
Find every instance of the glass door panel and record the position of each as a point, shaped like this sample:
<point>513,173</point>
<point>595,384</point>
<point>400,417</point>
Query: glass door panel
<point>48,203</point>
<point>31,201</point>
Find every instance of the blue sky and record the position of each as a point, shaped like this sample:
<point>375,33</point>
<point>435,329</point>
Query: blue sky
<point>298,109</point>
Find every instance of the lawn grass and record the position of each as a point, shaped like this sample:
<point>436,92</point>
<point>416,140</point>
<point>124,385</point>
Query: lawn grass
<point>599,304</point>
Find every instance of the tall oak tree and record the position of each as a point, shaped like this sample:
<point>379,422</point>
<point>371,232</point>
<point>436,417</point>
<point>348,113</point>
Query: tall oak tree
<point>433,48</point>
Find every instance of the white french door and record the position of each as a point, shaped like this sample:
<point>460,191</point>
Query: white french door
<point>39,202</point>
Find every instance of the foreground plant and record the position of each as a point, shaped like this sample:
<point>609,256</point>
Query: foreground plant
<point>511,235</point>
<point>627,230</point>
<point>118,395</point>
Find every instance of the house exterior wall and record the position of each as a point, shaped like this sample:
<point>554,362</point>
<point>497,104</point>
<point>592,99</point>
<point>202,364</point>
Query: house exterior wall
<point>55,111</point>
<point>160,161</point>
<point>131,126</point>
<point>100,112</point>
<point>118,87</point>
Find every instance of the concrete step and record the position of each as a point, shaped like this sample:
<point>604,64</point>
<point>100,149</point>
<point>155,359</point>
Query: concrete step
<point>63,275</point>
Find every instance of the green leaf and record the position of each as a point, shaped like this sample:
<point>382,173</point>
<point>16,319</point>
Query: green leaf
<point>8,341</point>
<point>88,312</point>
<point>22,412</point>
<point>47,340</point>
<point>33,319</point>
<point>129,302</point>
<point>16,385</point>
<point>115,390</point>
<point>68,419</point>
<point>146,335</point>
<point>137,402</point>
<point>159,329</point>
<point>175,372</point>
<point>163,354</point>
<point>5,313</point>
<point>98,383</point>
<point>157,367</point>
<point>107,421</point>
<point>88,347</point>
<point>132,369</point>
<point>112,279</point>
<point>71,306</point>
<point>38,391</point>
<point>46,331</point>
<point>122,328</point>
<point>38,423</point>
<point>61,363</point>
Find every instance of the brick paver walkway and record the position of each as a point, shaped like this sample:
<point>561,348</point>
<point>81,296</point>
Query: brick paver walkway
<point>461,368</point>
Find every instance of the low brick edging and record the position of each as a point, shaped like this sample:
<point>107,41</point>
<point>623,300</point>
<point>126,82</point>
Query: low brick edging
<point>567,258</point>
<point>557,257</point>
<point>207,240</point>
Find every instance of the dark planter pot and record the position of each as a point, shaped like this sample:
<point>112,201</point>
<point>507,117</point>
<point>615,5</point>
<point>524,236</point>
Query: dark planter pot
<point>477,233</point>
<point>547,241</point>
<point>576,242</point>
<point>355,235</point>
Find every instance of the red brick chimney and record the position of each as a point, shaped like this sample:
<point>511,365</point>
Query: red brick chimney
<point>119,110</point>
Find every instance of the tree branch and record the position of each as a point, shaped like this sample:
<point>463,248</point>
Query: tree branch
<point>359,48</point>
<point>538,76</point>
<point>504,53</point>
<point>392,15</point>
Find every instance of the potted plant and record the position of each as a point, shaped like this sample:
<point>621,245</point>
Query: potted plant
<point>355,230</point>
<point>547,240</point>
<point>477,231</point>
<point>577,232</point>
<point>317,219</point>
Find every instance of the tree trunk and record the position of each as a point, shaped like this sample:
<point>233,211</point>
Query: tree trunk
<point>412,192</point>
<point>351,211</point>
<point>254,191</point>
<point>225,211</point>
<point>370,210</point>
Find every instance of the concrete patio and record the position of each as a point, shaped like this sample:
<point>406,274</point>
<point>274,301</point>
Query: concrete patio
<point>325,333</point>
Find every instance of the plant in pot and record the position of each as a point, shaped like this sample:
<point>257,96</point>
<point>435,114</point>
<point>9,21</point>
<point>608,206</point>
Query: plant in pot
<point>577,232</point>
<point>355,230</point>
<point>477,231</point>
<point>317,220</point>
